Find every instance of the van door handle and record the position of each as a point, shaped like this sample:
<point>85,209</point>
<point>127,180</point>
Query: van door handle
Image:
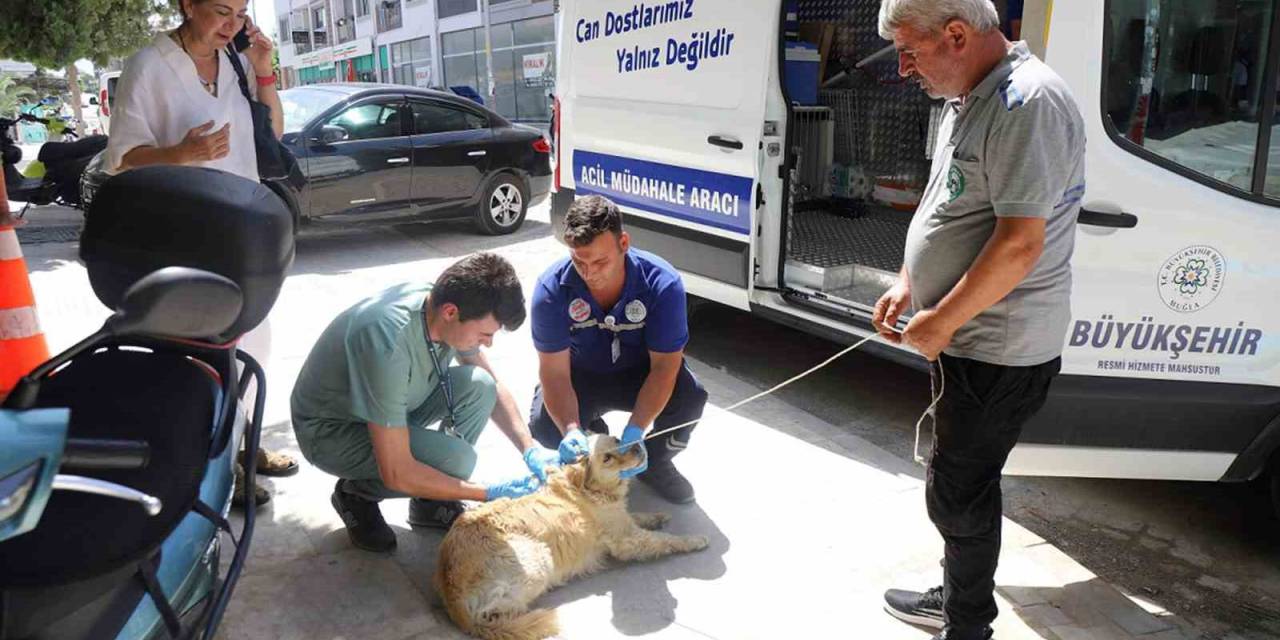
<point>397,160</point>
<point>727,143</point>
<point>1113,220</point>
<point>477,153</point>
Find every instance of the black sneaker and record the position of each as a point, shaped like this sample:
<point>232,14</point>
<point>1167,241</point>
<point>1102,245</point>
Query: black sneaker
<point>434,514</point>
<point>665,479</point>
<point>365,525</point>
<point>951,633</point>
<point>924,609</point>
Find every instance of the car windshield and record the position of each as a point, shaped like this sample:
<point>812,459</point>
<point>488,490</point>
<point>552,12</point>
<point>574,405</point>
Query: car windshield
<point>302,104</point>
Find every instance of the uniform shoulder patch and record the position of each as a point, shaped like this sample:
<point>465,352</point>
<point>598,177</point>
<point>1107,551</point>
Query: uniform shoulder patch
<point>1010,95</point>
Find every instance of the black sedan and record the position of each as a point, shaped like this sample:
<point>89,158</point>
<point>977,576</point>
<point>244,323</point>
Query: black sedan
<point>379,151</point>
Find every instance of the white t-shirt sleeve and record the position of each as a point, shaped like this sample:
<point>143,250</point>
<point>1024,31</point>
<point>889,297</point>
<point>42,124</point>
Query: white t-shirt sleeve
<point>132,121</point>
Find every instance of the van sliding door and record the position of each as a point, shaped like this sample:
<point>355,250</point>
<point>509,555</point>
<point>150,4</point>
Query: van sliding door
<point>662,111</point>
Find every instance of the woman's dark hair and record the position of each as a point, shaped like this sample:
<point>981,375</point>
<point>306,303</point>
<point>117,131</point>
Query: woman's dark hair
<point>482,284</point>
<point>588,218</point>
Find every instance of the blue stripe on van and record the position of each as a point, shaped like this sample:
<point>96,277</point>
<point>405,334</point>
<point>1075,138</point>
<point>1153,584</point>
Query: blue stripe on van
<point>714,199</point>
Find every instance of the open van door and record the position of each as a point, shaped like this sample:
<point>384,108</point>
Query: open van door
<point>661,109</point>
<point>1171,364</point>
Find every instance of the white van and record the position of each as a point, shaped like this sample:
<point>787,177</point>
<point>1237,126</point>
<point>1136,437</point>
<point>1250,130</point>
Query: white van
<point>107,81</point>
<point>684,113</point>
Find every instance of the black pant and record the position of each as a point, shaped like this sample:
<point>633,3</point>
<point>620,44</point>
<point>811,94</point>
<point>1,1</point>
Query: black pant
<point>979,419</point>
<point>600,392</point>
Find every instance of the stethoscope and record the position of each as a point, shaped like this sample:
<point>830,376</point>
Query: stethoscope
<point>448,425</point>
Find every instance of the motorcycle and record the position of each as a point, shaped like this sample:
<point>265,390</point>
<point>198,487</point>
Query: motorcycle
<point>117,455</point>
<point>55,174</point>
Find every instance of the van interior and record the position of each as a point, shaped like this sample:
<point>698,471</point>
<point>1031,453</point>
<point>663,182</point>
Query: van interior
<point>860,140</point>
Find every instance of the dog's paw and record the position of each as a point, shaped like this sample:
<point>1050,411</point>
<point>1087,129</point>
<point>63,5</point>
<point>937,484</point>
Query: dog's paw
<point>651,521</point>
<point>695,543</point>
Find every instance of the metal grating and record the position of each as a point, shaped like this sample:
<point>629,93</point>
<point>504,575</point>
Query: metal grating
<point>874,239</point>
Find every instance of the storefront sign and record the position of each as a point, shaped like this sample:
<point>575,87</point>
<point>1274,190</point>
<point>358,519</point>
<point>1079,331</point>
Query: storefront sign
<point>422,76</point>
<point>354,49</point>
<point>536,65</point>
<point>323,56</point>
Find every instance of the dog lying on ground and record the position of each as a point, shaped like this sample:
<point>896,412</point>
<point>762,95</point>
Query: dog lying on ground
<point>499,557</point>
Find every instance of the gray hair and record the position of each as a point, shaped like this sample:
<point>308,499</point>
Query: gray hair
<point>932,15</point>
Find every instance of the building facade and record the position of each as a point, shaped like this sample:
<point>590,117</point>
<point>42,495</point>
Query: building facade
<point>425,43</point>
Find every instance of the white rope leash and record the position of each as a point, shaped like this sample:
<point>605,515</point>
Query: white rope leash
<point>930,411</point>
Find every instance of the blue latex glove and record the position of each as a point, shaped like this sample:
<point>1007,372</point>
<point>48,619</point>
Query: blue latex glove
<point>633,436</point>
<point>574,446</point>
<point>539,459</point>
<point>513,489</point>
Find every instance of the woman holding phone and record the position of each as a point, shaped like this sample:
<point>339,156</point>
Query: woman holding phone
<point>179,99</point>
<point>179,102</point>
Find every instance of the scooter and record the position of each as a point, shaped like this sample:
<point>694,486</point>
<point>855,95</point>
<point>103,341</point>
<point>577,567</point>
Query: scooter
<point>109,508</point>
<point>117,455</point>
<point>55,175</point>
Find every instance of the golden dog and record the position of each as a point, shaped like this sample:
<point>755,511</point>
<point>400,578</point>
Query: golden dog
<point>499,557</point>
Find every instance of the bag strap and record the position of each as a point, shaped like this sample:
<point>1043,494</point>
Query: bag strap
<point>216,518</point>
<point>147,575</point>
<point>244,80</point>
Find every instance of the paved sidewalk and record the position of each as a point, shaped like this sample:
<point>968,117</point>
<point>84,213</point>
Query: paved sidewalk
<point>808,523</point>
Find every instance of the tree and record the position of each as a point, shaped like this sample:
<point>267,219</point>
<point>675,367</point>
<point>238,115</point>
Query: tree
<point>56,33</point>
<point>10,94</point>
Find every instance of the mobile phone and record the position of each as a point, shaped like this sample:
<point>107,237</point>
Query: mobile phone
<point>241,40</point>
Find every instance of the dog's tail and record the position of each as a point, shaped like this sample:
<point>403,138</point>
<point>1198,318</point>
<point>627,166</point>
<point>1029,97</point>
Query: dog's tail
<point>530,625</point>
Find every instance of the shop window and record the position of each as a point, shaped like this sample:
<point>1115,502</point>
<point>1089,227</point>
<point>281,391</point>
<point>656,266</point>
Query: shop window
<point>411,62</point>
<point>535,31</point>
<point>1182,79</point>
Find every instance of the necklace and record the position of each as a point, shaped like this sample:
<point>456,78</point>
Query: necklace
<point>210,86</point>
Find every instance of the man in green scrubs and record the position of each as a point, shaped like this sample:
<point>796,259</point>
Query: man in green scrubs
<point>371,407</point>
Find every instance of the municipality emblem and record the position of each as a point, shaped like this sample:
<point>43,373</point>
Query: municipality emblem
<point>1192,278</point>
<point>955,182</point>
<point>635,311</point>
<point>579,310</point>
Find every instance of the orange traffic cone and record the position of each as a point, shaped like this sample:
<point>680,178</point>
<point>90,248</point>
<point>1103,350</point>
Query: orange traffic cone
<point>22,345</point>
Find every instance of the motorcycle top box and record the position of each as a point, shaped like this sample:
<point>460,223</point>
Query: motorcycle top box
<point>191,217</point>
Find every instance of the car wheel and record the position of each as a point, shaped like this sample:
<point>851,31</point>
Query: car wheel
<point>503,206</point>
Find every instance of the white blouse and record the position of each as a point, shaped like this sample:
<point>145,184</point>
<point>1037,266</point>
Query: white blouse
<point>160,98</point>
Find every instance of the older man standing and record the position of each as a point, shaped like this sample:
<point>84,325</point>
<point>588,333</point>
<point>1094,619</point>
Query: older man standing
<point>987,273</point>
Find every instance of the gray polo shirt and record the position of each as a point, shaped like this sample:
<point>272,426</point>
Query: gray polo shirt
<point>1014,147</point>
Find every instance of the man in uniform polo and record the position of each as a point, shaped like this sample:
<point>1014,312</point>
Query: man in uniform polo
<point>987,272</point>
<point>610,327</point>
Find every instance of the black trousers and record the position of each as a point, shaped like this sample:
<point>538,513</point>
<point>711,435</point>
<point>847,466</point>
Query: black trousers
<point>599,393</point>
<point>979,419</point>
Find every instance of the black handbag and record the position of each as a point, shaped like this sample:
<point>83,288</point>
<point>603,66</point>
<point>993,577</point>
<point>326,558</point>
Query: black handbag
<point>275,161</point>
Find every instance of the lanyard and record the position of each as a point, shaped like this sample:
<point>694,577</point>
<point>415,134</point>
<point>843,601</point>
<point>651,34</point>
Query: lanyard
<point>447,424</point>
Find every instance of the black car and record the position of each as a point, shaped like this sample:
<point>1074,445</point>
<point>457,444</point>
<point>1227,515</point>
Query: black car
<point>376,151</point>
